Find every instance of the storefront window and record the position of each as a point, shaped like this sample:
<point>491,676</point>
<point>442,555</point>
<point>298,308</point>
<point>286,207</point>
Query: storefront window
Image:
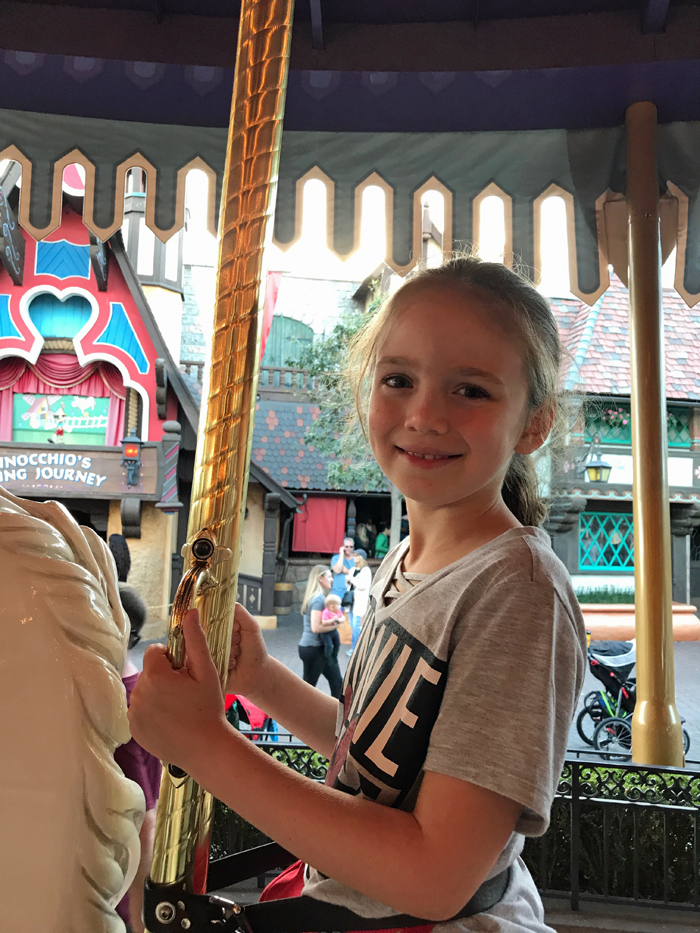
<point>605,541</point>
<point>59,419</point>
<point>612,422</point>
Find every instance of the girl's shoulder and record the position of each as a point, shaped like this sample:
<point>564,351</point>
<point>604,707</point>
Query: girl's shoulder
<point>515,574</point>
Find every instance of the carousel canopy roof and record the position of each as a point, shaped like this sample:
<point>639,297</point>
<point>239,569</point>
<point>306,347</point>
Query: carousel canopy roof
<point>519,98</point>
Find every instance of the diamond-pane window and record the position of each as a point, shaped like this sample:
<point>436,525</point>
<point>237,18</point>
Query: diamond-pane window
<point>695,546</point>
<point>605,541</point>
<point>678,427</point>
<point>610,421</point>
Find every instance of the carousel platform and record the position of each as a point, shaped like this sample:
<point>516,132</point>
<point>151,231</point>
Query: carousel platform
<point>618,918</point>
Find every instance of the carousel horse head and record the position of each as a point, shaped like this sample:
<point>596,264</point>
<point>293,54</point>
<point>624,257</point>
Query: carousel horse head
<point>69,819</point>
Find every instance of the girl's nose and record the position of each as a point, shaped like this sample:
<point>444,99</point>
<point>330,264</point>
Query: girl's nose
<point>426,414</point>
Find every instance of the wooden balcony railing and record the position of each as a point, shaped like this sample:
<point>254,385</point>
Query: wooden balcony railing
<point>281,377</point>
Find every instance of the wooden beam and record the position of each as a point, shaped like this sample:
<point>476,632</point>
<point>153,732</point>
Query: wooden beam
<point>654,13</point>
<point>316,25</point>
<point>540,42</point>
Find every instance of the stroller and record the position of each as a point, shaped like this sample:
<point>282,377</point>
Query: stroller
<point>605,722</point>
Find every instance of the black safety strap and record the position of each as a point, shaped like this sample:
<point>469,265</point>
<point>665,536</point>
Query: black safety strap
<point>169,908</point>
<point>248,864</point>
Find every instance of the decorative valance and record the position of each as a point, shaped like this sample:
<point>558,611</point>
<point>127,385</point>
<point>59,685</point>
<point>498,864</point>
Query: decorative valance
<point>584,167</point>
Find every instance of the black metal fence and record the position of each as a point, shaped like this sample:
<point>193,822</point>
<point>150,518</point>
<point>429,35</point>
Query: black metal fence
<point>622,833</point>
<point>619,832</point>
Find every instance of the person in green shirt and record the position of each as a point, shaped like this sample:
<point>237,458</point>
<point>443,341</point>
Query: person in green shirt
<point>381,545</point>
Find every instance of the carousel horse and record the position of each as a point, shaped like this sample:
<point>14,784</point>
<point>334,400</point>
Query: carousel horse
<point>69,819</point>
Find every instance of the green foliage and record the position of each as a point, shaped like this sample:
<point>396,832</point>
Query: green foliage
<point>336,433</point>
<point>605,594</point>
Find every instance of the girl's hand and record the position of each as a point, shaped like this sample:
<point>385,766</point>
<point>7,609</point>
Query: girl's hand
<point>176,714</point>
<point>249,661</point>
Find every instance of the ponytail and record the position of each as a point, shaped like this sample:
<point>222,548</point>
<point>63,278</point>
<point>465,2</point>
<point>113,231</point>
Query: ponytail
<point>520,491</point>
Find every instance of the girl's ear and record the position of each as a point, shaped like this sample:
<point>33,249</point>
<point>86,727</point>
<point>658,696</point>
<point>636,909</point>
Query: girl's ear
<point>536,430</point>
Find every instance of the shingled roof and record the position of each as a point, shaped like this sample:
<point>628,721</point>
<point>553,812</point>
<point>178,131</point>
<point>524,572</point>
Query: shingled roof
<point>277,445</point>
<point>598,340</point>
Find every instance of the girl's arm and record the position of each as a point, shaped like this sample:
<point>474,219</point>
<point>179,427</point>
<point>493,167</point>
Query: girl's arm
<point>300,708</point>
<point>427,863</point>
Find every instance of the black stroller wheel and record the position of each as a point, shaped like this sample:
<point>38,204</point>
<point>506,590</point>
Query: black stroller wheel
<point>614,737</point>
<point>590,699</point>
<point>587,720</point>
<point>686,742</point>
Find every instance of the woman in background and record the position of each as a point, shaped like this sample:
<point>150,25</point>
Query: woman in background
<point>312,652</point>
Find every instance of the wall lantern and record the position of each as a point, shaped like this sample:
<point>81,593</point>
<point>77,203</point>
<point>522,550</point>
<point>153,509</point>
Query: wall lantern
<point>598,470</point>
<point>131,459</point>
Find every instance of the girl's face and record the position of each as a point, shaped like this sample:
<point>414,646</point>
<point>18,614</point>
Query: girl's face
<point>326,580</point>
<point>449,402</point>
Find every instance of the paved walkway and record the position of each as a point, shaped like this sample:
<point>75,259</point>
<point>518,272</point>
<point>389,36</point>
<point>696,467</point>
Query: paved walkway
<point>282,644</point>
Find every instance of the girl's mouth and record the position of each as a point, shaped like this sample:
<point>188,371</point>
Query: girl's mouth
<point>427,459</point>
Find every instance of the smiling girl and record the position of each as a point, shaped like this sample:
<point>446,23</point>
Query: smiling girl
<point>448,742</point>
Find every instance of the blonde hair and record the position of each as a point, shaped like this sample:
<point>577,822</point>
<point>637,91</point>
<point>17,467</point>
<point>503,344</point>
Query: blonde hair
<point>363,562</point>
<point>333,598</point>
<point>313,587</point>
<point>523,310</point>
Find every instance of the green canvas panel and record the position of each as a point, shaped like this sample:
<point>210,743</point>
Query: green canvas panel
<point>585,163</point>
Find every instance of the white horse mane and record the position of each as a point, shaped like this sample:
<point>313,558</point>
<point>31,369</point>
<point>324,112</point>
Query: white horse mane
<point>69,819</point>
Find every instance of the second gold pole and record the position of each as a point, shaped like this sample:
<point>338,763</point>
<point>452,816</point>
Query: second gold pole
<point>656,727</point>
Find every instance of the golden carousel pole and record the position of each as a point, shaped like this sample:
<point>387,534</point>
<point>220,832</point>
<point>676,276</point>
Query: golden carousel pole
<point>183,822</point>
<point>656,726</point>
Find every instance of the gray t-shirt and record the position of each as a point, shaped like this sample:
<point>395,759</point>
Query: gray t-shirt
<point>475,673</point>
<point>308,638</point>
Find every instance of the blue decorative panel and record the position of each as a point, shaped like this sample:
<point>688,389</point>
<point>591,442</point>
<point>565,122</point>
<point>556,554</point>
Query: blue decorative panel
<point>63,260</point>
<point>120,333</point>
<point>55,318</point>
<point>7,327</point>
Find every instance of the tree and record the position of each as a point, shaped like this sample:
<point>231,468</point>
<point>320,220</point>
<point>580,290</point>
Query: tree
<point>336,433</point>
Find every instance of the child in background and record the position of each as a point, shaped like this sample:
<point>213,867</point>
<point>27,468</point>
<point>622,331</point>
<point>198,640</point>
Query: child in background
<point>449,742</point>
<point>332,615</point>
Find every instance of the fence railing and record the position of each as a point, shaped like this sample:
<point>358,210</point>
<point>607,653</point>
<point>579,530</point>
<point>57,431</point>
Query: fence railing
<point>193,368</point>
<point>280,377</point>
<point>619,832</point>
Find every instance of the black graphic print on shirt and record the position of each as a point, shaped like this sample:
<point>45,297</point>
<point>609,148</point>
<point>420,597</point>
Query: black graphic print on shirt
<point>391,699</point>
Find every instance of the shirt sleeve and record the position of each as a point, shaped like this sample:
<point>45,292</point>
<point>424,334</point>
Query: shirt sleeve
<point>513,681</point>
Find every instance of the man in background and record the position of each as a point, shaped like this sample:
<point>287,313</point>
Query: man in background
<point>341,565</point>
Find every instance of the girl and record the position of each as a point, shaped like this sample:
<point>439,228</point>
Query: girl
<point>360,580</point>
<point>456,706</point>
<point>313,651</point>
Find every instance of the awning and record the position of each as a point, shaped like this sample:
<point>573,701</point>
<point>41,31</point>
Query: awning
<point>585,167</point>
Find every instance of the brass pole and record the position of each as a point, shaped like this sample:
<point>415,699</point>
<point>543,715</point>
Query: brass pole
<point>183,821</point>
<point>656,727</point>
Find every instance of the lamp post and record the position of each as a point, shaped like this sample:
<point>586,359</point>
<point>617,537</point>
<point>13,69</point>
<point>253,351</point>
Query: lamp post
<point>131,459</point>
